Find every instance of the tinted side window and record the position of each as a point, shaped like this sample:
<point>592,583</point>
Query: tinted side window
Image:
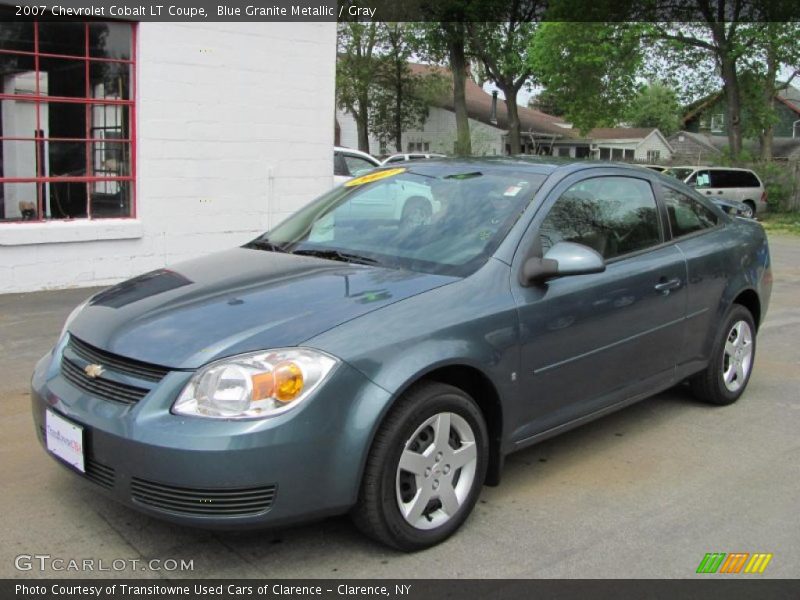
<point>687,215</point>
<point>724,179</point>
<point>613,215</point>
<point>339,168</point>
<point>745,179</point>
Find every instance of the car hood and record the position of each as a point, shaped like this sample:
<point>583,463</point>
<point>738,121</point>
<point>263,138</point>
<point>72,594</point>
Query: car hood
<point>237,301</point>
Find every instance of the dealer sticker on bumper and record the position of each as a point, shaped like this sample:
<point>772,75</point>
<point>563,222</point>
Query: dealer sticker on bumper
<point>65,440</point>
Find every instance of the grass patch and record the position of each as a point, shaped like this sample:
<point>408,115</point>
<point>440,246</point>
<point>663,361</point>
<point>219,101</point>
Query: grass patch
<point>781,222</point>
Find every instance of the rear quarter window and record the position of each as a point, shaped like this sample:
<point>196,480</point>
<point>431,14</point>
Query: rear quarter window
<point>686,214</point>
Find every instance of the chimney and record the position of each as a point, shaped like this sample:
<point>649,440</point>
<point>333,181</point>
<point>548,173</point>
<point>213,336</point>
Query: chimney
<point>493,115</point>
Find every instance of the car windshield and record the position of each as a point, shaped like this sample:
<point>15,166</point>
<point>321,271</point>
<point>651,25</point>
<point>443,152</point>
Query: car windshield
<point>430,218</point>
<point>679,173</point>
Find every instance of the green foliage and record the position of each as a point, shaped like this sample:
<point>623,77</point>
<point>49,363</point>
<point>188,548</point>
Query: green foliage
<point>588,68</point>
<point>356,69</point>
<point>656,105</point>
<point>502,49</point>
<point>400,99</point>
<point>691,71</point>
<point>787,223</point>
<point>778,181</point>
<point>772,46</point>
<point>545,102</point>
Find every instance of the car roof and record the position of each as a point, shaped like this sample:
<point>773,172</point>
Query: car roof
<point>354,152</point>
<point>717,168</point>
<point>544,165</point>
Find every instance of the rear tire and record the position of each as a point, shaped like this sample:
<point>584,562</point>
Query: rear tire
<point>732,358</point>
<point>425,469</point>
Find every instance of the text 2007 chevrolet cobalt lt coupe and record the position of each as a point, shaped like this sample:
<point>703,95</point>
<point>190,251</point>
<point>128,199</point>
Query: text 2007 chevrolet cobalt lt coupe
<point>347,361</point>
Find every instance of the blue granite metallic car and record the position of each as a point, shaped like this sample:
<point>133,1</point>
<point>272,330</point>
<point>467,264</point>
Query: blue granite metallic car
<point>351,360</point>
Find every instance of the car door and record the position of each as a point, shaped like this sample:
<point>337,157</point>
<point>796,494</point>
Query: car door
<point>698,232</point>
<point>590,341</point>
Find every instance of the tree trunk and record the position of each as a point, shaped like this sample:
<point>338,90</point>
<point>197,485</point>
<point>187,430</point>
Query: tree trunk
<point>766,138</point>
<point>398,107</point>
<point>362,124</point>
<point>515,145</point>
<point>730,80</point>
<point>458,65</point>
<point>768,134</point>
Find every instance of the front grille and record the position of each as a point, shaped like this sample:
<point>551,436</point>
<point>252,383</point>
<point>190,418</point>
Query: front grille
<point>120,364</point>
<point>232,502</point>
<point>99,473</point>
<point>100,387</point>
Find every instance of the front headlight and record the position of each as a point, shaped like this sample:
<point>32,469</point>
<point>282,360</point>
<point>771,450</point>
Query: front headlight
<point>254,386</point>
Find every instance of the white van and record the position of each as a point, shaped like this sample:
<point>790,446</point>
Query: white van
<point>742,185</point>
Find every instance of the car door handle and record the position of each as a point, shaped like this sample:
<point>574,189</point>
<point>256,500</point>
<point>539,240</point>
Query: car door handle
<point>665,286</point>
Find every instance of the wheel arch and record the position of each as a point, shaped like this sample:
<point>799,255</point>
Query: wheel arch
<point>750,300</point>
<point>476,383</point>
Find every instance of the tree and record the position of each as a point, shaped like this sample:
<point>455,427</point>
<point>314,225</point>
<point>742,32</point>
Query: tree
<point>356,69</point>
<point>502,48</point>
<point>775,46</point>
<point>444,40</point>
<point>455,39</point>
<point>656,105</point>
<point>588,69</point>
<point>400,98</point>
<point>546,103</point>
<point>716,28</point>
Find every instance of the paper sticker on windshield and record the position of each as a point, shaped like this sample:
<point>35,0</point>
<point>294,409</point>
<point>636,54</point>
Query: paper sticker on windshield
<point>512,190</point>
<point>374,177</point>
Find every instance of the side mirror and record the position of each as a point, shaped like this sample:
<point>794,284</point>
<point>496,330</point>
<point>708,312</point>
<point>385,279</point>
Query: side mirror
<point>564,258</point>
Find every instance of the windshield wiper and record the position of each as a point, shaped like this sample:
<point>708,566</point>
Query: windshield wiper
<point>332,254</point>
<point>262,244</point>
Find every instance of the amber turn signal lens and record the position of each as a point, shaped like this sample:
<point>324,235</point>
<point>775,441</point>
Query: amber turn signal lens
<point>263,386</point>
<point>288,381</point>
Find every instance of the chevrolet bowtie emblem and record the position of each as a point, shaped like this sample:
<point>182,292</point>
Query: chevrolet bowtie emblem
<point>93,371</point>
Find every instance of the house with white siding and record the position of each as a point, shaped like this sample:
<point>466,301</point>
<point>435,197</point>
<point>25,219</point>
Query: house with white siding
<point>638,144</point>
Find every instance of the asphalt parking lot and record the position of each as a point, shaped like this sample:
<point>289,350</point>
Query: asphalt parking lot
<point>643,493</point>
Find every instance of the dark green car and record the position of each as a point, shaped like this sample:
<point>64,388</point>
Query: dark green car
<point>369,359</point>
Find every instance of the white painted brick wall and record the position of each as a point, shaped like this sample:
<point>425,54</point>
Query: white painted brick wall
<point>235,132</point>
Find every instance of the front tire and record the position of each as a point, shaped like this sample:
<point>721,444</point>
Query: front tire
<point>731,364</point>
<point>425,469</point>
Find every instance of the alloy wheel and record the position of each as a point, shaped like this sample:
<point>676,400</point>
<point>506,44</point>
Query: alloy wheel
<point>737,356</point>
<point>436,470</point>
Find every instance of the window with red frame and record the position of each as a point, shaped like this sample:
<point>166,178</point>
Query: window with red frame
<point>66,120</point>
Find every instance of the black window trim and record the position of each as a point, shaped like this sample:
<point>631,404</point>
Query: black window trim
<point>722,218</point>
<point>662,224</point>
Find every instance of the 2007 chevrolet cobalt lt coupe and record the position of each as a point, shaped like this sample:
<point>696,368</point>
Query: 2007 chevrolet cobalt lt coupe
<point>366,358</point>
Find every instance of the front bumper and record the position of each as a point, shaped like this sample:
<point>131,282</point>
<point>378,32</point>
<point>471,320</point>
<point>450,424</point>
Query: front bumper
<point>219,474</point>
